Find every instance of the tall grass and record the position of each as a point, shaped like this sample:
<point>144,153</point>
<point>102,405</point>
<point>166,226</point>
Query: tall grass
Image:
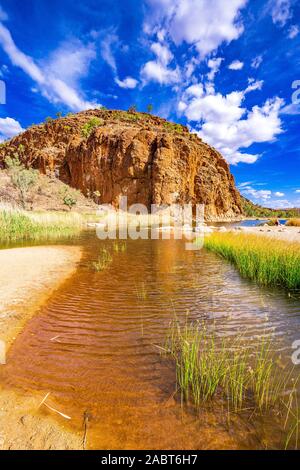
<point>267,261</point>
<point>292,421</point>
<point>208,367</point>
<point>17,225</point>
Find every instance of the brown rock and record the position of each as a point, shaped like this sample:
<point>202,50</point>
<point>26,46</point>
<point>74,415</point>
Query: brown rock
<point>146,158</point>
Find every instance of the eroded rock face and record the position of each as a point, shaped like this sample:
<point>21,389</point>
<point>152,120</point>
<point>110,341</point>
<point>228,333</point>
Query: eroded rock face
<point>142,157</point>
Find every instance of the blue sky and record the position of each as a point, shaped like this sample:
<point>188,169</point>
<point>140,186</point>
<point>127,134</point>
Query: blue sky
<point>225,69</point>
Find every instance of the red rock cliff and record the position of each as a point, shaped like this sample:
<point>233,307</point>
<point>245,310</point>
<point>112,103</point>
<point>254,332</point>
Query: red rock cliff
<point>144,157</point>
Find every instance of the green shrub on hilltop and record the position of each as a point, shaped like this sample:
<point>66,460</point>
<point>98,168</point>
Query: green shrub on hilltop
<point>170,126</point>
<point>131,117</point>
<point>89,127</point>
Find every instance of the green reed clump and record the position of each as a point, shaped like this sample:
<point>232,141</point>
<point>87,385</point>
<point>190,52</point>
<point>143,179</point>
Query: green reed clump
<point>103,261</point>
<point>265,260</point>
<point>208,367</point>
<point>292,421</point>
<point>17,225</point>
<point>141,291</point>
<point>119,246</point>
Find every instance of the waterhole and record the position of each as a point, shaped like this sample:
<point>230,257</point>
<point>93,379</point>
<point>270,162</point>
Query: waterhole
<point>95,345</point>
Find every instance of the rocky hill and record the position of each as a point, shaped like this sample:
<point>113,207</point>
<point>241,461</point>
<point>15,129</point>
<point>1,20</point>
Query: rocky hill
<point>107,154</point>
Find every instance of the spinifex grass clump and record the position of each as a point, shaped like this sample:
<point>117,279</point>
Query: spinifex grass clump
<point>208,367</point>
<point>17,224</point>
<point>267,261</point>
<point>104,260</point>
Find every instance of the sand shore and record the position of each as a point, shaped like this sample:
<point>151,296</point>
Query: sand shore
<point>28,276</point>
<point>288,234</point>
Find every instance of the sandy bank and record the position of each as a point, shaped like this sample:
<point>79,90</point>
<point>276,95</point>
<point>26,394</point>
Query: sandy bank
<point>289,234</point>
<point>28,276</point>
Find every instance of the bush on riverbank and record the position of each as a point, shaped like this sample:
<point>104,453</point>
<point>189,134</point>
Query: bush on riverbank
<point>17,225</point>
<point>293,223</point>
<point>267,261</point>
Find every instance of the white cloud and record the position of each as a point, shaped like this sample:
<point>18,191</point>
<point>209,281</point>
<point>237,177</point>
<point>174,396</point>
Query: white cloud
<point>53,77</point>
<point>204,23</point>
<point>18,58</point>
<point>189,67</point>
<point>264,197</point>
<point>281,11</point>
<point>215,108</point>
<point>9,127</point>
<point>224,123</point>
<point>254,85</point>
<point>196,90</point>
<point>261,195</point>
<point>154,71</point>
<point>162,52</point>
<point>70,61</point>
<point>291,109</point>
<point>281,204</point>
<point>293,31</point>
<point>256,62</point>
<point>158,70</point>
<point>243,185</point>
<point>128,82</point>
<point>107,45</point>
<point>297,191</point>
<point>214,66</point>
<point>236,65</point>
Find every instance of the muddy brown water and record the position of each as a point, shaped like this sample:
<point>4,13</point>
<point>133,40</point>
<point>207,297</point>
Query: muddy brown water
<point>94,346</point>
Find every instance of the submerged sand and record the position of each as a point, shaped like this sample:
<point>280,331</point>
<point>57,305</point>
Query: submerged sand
<point>28,276</point>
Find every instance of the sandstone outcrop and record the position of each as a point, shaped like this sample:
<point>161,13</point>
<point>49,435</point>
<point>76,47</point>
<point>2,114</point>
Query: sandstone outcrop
<point>107,154</point>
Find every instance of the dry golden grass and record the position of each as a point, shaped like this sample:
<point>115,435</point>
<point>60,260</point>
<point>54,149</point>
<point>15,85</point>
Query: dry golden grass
<point>293,223</point>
